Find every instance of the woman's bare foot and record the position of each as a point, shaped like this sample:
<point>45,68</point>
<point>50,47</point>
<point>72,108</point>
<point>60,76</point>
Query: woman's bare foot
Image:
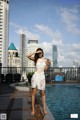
<point>45,112</point>
<point>32,113</point>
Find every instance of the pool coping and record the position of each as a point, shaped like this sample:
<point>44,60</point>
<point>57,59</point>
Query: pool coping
<point>20,88</point>
<point>49,116</point>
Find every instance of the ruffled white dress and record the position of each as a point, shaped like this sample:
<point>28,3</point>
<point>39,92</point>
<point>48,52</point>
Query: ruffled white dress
<point>38,78</point>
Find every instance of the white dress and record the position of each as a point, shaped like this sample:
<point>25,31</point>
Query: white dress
<point>38,78</point>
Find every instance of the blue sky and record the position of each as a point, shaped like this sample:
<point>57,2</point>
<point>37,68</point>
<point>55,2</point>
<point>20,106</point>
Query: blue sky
<point>51,22</point>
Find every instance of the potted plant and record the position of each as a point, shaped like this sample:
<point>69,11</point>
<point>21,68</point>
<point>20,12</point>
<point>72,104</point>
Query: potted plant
<point>29,75</point>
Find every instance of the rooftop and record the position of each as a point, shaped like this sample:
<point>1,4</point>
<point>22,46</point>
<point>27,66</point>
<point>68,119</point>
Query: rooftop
<point>12,47</point>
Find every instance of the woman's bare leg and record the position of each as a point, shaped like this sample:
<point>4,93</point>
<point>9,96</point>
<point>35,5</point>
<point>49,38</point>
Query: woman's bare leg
<point>43,101</point>
<point>33,100</point>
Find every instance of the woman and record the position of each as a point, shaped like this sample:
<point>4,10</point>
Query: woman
<point>38,78</point>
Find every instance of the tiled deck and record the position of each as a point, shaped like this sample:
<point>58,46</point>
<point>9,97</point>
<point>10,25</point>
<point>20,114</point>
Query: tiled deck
<point>17,105</point>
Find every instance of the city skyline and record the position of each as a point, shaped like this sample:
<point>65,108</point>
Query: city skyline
<point>50,22</point>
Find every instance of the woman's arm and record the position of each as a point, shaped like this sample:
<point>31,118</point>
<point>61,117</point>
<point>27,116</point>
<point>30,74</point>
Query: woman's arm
<point>30,55</point>
<point>46,67</point>
<point>48,62</point>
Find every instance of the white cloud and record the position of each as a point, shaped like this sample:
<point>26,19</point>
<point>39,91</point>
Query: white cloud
<point>61,58</point>
<point>15,25</point>
<point>44,29</point>
<point>29,34</point>
<point>47,47</point>
<point>71,53</point>
<point>24,30</point>
<point>57,41</point>
<point>21,31</point>
<point>74,45</point>
<point>70,17</point>
<point>56,35</point>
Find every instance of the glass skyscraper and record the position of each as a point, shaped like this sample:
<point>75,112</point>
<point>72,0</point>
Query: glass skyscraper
<point>54,55</point>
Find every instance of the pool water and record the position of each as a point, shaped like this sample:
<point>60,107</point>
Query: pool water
<point>63,100</point>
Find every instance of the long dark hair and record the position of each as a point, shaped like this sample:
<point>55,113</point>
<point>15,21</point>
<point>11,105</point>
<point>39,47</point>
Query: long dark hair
<point>36,56</point>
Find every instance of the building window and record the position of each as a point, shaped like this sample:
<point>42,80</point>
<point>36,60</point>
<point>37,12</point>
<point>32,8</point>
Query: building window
<point>1,12</point>
<point>16,54</point>
<point>7,2</point>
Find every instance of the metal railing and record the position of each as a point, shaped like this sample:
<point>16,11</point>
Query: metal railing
<point>67,73</point>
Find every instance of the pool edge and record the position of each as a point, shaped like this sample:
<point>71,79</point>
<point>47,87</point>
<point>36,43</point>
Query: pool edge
<point>49,116</point>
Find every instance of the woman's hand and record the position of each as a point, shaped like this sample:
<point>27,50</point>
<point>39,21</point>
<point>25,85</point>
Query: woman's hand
<point>30,55</point>
<point>39,51</point>
<point>48,61</point>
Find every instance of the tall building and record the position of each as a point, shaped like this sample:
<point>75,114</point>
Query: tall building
<point>4,31</point>
<point>22,51</point>
<point>13,56</point>
<point>31,47</point>
<point>55,55</point>
<point>75,63</point>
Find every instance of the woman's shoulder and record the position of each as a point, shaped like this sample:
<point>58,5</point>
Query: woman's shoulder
<point>44,59</point>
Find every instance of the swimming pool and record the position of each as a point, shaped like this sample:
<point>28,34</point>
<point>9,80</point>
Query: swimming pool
<point>63,100</point>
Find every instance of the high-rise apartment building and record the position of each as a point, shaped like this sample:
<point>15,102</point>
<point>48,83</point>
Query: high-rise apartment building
<point>54,55</point>
<point>4,31</point>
